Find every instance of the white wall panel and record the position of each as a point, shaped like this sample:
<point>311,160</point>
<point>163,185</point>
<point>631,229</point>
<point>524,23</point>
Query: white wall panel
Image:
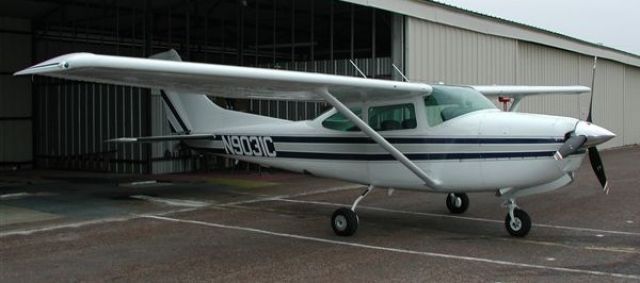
<point>540,65</point>
<point>608,100</point>
<point>437,52</point>
<point>631,105</point>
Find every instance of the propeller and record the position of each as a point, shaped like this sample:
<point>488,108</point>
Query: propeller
<point>588,135</point>
<point>570,146</point>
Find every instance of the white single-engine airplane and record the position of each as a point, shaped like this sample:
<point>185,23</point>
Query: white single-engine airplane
<point>386,134</point>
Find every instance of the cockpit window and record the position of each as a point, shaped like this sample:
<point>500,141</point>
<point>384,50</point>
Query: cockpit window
<point>339,122</point>
<point>392,117</point>
<point>448,102</point>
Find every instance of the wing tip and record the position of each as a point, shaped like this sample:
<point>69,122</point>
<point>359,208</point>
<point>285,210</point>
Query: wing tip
<point>52,65</point>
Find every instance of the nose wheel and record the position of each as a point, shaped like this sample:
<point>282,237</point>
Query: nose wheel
<point>518,222</point>
<point>457,203</point>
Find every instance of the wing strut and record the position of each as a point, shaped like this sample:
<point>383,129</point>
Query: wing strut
<point>344,110</point>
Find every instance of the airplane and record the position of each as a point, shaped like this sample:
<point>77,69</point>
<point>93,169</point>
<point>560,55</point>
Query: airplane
<point>383,134</point>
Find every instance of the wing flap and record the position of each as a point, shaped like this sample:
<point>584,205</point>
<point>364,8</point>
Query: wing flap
<point>220,80</point>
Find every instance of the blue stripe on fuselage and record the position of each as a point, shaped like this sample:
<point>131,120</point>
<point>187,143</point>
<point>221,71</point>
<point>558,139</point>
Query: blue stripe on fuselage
<point>409,140</point>
<point>412,156</point>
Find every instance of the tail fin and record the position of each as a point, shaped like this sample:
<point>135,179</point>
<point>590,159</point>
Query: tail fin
<point>196,113</point>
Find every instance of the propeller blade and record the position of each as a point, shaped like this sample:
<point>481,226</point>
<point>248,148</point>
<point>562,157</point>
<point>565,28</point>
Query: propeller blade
<point>598,168</point>
<point>594,155</point>
<point>569,147</point>
<point>593,85</point>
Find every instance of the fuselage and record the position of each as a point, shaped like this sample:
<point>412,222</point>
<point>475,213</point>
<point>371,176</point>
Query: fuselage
<point>479,151</point>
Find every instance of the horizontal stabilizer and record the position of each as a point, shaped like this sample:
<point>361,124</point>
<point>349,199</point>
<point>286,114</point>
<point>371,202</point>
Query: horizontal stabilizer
<point>151,139</point>
<point>518,91</point>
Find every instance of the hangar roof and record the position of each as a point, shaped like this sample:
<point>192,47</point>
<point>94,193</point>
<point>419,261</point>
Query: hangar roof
<point>469,20</point>
<point>422,9</point>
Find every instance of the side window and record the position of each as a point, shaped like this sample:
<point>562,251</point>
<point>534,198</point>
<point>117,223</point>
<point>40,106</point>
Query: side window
<point>339,122</point>
<point>392,117</point>
<point>433,110</point>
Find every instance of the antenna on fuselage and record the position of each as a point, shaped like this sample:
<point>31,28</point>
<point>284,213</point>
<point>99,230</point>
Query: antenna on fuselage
<point>357,69</point>
<point>400,72</point>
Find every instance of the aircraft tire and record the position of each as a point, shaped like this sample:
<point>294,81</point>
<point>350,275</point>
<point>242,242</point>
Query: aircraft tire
<point>344,222</point>
<point>461,207</point>
<point>522,225</point>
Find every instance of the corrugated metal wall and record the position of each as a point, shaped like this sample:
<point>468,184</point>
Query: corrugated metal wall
<point>15,94</point>
<point>631,105</point>
<point>76,118</point>
<point>439,53</point>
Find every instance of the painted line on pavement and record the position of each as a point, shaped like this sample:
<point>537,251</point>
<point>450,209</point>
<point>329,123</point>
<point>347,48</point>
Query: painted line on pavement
<point>457,217</point>
<point>396,250</point>
<point>288,196</point>
<point>25,232</point>
<point>21,195</point>
<point>173,202</point>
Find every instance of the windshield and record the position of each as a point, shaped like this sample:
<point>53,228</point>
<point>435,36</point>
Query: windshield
<point>448,102</point>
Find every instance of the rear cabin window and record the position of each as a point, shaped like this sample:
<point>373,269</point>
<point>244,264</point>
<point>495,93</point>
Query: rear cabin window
<point>392,117</point>
<point>339,122</point>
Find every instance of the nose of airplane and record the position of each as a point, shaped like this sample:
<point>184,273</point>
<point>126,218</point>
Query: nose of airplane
<point>595,134</point>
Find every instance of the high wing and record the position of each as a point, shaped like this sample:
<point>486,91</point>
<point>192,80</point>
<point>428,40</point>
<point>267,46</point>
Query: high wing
<point>221,80</point>
<point>238,82</point>
<point>519,92</point>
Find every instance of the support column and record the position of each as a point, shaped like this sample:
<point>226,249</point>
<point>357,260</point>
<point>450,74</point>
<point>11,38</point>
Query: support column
<point>397,44</point>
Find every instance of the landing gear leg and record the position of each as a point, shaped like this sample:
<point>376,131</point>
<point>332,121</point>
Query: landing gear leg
<point>517,222</point>
<point>345,220</point>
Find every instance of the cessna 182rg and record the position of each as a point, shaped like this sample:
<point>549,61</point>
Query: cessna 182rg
<point>386,134</point>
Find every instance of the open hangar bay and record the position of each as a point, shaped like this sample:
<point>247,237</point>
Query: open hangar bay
<point>94,228</point>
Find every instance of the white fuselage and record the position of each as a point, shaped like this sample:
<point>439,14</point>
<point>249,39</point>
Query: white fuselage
<point>479,151</point>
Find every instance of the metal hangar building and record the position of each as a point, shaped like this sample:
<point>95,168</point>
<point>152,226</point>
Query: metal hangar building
<point>57,124</point>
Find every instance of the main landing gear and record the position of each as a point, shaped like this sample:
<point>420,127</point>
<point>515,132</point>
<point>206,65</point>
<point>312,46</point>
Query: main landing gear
<point>457,203</point>
<point>345,220</point>
<point>517,222</point>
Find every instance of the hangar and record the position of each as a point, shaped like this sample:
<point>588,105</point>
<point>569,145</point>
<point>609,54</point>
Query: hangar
<point>50,123</point>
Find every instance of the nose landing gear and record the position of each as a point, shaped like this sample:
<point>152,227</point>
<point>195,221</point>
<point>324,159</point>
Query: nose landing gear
<point>518,222</point>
